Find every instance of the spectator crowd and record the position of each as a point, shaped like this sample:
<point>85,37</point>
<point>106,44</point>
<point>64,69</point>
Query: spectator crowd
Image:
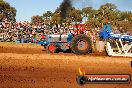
<point>25,32</point>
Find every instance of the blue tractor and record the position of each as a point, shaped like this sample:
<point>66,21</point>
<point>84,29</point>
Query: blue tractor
<point>80,44</point>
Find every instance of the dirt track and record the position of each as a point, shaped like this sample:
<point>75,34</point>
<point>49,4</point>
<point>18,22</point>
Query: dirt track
<point>29,66</point>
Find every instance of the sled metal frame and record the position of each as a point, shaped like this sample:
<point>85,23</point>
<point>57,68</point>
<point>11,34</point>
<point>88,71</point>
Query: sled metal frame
<point>124,50</point>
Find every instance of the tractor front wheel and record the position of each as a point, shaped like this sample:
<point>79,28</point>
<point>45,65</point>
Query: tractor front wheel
<point>51,48</point>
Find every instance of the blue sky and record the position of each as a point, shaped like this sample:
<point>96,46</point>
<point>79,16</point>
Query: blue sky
<point>27,8</point>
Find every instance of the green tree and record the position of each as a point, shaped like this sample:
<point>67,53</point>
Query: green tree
<point>108,12</point>
<point>89,11</point>
<point>47,17</point>
<point>74,15</point>
<point>36,19</point>
<point>56,18</point>
<point>7,11</point>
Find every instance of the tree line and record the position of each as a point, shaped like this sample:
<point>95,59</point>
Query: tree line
<point>96,18</point>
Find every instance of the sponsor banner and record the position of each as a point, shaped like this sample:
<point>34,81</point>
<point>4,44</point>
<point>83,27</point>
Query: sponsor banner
<point>103,79</point>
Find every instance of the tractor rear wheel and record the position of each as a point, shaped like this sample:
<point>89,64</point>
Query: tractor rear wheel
<point>81,44</point>
<point>51,48</point>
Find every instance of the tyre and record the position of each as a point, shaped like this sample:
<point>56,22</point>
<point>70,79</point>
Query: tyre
<point>81,44</point>
<point>51,48</point>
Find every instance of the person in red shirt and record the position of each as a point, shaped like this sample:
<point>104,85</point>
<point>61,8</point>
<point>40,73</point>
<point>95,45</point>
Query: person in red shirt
<point>42,37</point>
